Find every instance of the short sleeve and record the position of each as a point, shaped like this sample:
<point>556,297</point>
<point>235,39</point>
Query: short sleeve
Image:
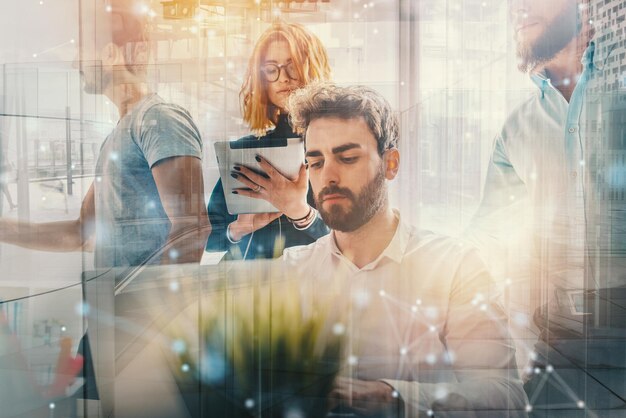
<point>168,131</point>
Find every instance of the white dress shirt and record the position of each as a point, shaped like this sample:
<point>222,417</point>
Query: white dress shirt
<point>423,317</point>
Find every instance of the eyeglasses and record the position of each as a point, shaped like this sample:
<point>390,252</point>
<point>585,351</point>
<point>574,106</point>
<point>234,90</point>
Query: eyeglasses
<point>271,72</point>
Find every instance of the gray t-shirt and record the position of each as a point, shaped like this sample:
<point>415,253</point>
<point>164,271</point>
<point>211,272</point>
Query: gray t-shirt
<point>131,223</point>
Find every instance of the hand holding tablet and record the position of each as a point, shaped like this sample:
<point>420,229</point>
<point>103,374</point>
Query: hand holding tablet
<point>264,177</point>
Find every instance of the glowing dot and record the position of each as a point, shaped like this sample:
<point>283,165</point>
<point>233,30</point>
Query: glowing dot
<point>375,31</point>
<point>72,41</point>
<point>549,368</point>
<point>174,253</point>
<point>184,368</point>
<point>73,166</point>
<point>221,78</point>
<point>418,302</point>
<point>361,298</point>
<point>249,403</point>
<point>581,162</point>
<point>356,15</point>
<point>51,405</point>
<point>82,308</point>
<point>403,351</point>
<point>34,55</point>
<point>566,82</point>
<point>63,328</point>
<point>113,156</point>
<point>432,328</point>
<point>382,293</point>
<point>353,360</point>
<point>108,8</point>
<point>402,83</point>
<point>430,413</point>
<point>414,309</point>
<point>151,204</point>
<point>529,408</point>
<point>179,346</point>
<point>41,2</point>
<point>532,355</point>
<point>508,282</point>
<point>294,413</point>
<point>520,319</point>
<point>431,359</point>
<point>431,312</point>
<point>441,392</point>
<point>484,4</point>
<point>395,394</point>
<point>483,307</point>
<point>174,286</point>
<point>339,329</point>
<point>193,29</point>
<point>365,6</point>
<point>591,21</point>
<point>512,197</point>
<point>537,370</point>
<point>580,404</point>
<point>152,14</point>
<point>43,198</point>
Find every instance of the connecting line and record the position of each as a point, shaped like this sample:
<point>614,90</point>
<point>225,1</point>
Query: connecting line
<point>565,387</point>
<point>621,398</point>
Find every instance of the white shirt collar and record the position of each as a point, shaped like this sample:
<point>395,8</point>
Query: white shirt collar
<point>394,251</point>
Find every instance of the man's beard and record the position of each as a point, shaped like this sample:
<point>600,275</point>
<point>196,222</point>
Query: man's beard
<point>364,206</point>
<point>95,80</point>
<point>560,32</point>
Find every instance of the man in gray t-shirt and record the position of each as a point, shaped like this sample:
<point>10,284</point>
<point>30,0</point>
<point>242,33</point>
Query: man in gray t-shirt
<point>131,222</point>
<point>148,194</point>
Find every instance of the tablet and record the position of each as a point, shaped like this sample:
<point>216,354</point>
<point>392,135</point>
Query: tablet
<point>285,154</point>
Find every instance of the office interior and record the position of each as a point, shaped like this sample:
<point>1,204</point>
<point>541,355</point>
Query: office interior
<point>448,68</point>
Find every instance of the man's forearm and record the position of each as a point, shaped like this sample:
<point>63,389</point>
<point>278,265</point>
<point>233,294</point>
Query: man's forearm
<point>186,242</point>
<point>51,236</point>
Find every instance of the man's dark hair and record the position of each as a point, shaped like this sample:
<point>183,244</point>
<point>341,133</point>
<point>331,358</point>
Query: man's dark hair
<point>327,100</point>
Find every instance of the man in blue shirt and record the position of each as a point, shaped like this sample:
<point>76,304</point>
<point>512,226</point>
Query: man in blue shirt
<point>559,157</point>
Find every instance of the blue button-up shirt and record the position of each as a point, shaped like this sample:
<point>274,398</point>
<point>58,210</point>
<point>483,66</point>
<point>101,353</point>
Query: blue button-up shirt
<point>557,170</point>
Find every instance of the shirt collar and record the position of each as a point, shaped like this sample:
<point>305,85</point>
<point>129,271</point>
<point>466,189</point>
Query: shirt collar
<point>394,251</point>
<point>595,57</point>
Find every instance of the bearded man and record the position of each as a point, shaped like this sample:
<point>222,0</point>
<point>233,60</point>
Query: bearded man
<point>426,332</point>
<point>558,155</point>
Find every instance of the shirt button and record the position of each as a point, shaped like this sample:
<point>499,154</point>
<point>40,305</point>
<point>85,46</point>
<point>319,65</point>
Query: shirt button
<point>572,129</point>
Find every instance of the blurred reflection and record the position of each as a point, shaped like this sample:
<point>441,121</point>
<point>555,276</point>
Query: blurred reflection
<point>557,152</point>
<point>286,57</point>
<point>426,333</point>
<point>148,187</point>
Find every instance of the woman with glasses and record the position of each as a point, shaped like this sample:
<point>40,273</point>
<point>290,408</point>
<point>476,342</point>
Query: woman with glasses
<point>286,57</point>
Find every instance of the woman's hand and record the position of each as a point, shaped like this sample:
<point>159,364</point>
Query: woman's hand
<point>288,196</point>
<point>247,223</point>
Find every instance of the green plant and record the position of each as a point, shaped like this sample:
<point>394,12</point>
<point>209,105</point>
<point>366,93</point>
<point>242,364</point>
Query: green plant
<point>258,355</point>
